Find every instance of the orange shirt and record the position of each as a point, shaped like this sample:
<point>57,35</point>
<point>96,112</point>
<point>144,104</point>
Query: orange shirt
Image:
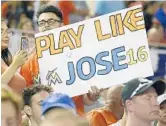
<point>101,117</point>
<point>17,83</point>
<point>67,7</point>
<point>30,71</point>
<point>4,9</point>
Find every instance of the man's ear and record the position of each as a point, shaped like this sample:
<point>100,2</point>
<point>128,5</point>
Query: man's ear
<point>129,106</point>
<point>27,110</point>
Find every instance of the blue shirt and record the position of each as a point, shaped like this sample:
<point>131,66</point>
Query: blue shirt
<point>161,16</point>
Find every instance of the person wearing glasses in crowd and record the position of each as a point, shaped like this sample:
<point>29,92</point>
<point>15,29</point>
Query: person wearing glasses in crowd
<point>9,65</point>
<point>50,17</point>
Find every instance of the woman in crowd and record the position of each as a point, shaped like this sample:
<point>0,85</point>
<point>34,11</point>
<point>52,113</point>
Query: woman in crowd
<point>26,24</point>
<point>9,67</point>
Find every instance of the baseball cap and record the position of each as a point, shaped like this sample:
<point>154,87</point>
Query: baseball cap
<point>161,98</point>
<point>57,100</point>
<point>140,85</point>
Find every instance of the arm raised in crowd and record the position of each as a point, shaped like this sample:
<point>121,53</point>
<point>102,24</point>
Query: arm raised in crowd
<point>18,61</point>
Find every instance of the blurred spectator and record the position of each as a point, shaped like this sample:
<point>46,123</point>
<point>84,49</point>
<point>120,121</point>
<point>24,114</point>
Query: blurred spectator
<point>158,58</point>
<point>134,3</point>
<point>55,104</point>
<point>17,82</point>
<point>162,102</point>
<point>11,106</point>
<point>4,9</point>
<point>68,7</point>
<point>150,9</point>
<point>33,97</point>
<point>59,109</point>
<point>162,119</point>
<point>82,5</point>
<point>22,18</point>
<point>12,23</point>
<point>105,7</point>
<point>64,118</point>
<point>26,24</point>
<point>16,11</point>
<point>111,112</point>
<point>156,35</point>
<point>13,13</point>
<point>28,7</point>
<point>140,101</point>
<point>161,15</point>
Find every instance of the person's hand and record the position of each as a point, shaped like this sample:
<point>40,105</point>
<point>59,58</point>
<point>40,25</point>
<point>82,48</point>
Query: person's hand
<point>94,93</point>
<point>20,58</point>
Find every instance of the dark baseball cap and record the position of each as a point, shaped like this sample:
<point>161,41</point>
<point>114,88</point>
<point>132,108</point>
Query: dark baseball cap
<point>58,100</point>
<point>140,85</point>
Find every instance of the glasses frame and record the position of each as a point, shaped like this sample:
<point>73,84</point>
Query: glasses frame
<point>55,20</point>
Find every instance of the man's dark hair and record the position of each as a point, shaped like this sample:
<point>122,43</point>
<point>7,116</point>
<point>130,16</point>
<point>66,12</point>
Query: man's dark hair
<point>45,8</point>
<point>30,91</point>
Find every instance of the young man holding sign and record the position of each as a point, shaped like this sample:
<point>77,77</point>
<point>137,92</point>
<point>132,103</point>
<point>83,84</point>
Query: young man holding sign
<point>50,17</point>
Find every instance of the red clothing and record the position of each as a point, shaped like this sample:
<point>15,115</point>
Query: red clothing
<point>67,8</point>
<point>4,9</point>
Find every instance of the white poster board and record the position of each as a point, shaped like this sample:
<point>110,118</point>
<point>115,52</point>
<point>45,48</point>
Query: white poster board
<point>102,51</point>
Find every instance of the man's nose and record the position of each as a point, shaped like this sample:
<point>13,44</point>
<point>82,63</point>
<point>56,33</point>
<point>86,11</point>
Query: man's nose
<point>46,24</point>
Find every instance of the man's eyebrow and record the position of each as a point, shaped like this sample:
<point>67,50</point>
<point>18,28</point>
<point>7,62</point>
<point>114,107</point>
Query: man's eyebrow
<point>41,20</point>
<point>48,19</point>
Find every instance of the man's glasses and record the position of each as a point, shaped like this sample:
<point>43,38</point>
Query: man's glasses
<point>49,22</point>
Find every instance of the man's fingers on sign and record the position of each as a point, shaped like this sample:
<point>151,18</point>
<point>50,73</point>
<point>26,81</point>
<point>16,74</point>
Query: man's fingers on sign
<point>93,93</point>
<point>97,91</point>
<point>102,89</point>
<point>94,90</point>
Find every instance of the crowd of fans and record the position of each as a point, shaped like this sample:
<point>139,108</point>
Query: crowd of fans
<point>26,102</point>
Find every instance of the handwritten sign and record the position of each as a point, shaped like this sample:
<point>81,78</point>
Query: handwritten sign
<point>102,51</point>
